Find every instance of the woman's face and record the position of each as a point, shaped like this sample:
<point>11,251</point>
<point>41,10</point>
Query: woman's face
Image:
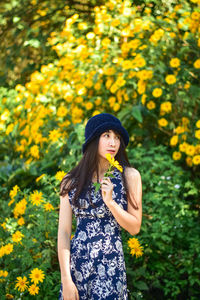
<point>109,142</point>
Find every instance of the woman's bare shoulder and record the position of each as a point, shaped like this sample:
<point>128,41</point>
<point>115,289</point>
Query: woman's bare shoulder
<point>131,172</point>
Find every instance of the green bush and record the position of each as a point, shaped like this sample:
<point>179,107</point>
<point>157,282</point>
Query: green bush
<point>169,234</point>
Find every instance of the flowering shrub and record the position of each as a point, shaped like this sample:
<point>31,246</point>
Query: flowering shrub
<point>29,234</point>
<point>143,67</point>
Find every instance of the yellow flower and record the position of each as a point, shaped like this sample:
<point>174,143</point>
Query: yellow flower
<point>197,134</point>
<point>113,162</point>
<point>179,130</point>
<point>33,289</point>
<point>183,147</point>
<point>162,122</point>
<point>54,135</point>
<point>139,61</point>
<point>198,124</point>
<point>20,208</point>
<point>9,128</point>
<point>151,105</point>
<point>116,107</point>
<point>14,191</point>
<point>88,105</point>
<point>37,275</point>
<point>196,160</point>
<point>195,15</point>
<point>187,85</point>
<point>189,161</point>
<point>96,112</point>
<point>170,79</point>
<point>166,107</point>
<point>62,111</point>
<point>176,155</point>
<point>190,150</point>
<point>197,149</point>
<point>8,248</point>
<point>21,284</point>
<point>197,64</point>
<point>114,88</point>
<point>3,273</point>
<point>3,225</point>
<point>157,92</point>
<point>174,140</point>
<point>143,99</point>
<point>35,151</point>
<point>21,221</point>
<point>98,101</point>
<point>17,236</point>
<point>48,207</point>
<point>77,115</point>
<point>136,248</point>
<point>36,198</point>
<point>82,25</point>
<point>175,62</point>
<point>126,65</point>
<point>111,101</point>
<point>59,175</point>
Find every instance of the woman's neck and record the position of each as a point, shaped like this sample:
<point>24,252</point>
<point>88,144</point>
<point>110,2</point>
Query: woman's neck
<point>102,168</point>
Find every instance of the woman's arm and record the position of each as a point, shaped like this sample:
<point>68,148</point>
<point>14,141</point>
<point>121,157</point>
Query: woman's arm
<point>64,235</point>
<point>131,219</point>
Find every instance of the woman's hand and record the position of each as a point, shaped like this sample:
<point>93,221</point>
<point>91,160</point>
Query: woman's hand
<point>70,291</point>
<point>106,189</point>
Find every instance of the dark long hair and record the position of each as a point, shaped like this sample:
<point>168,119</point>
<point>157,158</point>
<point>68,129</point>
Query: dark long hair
<point>80,176</point>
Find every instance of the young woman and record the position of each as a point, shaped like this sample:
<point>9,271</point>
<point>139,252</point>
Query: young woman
<point>92,263</point>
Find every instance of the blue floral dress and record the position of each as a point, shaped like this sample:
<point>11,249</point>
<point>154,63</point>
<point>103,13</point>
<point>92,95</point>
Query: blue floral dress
<point>97,259</point>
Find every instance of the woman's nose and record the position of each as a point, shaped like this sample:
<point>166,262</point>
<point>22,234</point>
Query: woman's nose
<point>112,141</point>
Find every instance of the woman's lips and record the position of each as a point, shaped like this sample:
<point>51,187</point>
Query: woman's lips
<point>111,151</point>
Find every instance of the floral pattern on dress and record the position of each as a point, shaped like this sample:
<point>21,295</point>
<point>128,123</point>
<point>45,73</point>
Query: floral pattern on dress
<point>97,260</point>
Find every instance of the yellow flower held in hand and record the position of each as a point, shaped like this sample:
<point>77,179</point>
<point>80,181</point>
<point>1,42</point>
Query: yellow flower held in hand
<point>113,162</point>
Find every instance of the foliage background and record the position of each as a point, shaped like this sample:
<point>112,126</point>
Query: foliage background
<point>139,61</point>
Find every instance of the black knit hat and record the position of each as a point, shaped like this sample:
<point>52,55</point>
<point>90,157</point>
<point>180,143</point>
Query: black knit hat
<point>99,124</point>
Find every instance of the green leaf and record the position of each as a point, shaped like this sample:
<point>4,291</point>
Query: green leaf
<point>141,285</point>
<point>97,186</point>
<point>136,113</point>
